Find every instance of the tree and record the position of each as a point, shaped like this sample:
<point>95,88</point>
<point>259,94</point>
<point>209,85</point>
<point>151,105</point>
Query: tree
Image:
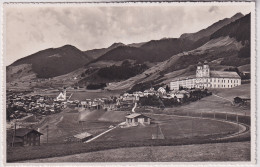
<point>167,88</point>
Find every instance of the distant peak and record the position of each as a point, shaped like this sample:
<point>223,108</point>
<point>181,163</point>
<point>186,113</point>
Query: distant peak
<point>237,16</point>
<point>117,44</point>
<point>68,46</point>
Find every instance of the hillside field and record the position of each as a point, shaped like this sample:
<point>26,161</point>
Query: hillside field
<point>237,151</point>
<point>171,127</point>
<point>68,123</point>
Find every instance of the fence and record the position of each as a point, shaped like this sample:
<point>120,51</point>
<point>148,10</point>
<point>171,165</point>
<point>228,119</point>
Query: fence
<point>221,116</point>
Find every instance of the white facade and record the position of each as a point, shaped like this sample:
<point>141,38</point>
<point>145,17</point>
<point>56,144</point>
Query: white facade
<point>208,79</point>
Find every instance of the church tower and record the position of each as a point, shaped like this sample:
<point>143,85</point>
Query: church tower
<point>64,93</point>
<point>206,70</point>
<point>199,70</point>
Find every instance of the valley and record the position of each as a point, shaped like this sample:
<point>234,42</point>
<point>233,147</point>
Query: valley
<point>85,104</point>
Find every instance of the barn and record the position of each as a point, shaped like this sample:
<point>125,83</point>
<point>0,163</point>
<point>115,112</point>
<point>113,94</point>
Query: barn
<point>23,137</point>
<point>136,118</point>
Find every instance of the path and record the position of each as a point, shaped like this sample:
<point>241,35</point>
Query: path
<point>223,98</point>
<point>70,96</point>
<point>133,110</point>
<point>99,135</point>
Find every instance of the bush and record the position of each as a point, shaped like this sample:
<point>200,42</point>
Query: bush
<point>96,86</point>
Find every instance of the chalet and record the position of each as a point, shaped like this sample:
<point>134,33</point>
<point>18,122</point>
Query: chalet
<point>136,118</point>
<point>23,137</point>
<point>83,104</point>
<point>161,91</point>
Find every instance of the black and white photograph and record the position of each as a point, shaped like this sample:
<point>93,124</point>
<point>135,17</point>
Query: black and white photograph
<point>129,82</point>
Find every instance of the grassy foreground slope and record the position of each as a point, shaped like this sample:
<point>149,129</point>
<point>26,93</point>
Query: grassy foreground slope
<point>242,90</point>
<point>237,151</point>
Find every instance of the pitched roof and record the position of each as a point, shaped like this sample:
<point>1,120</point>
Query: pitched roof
<point>184,78</point>
<point>24,131</point>
<point>224,74</point>
<point>83,135</point>
<point>134,115</point>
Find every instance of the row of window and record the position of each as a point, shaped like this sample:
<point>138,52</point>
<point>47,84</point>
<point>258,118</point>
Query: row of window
<point>223,81</point>
<point>223,86</point>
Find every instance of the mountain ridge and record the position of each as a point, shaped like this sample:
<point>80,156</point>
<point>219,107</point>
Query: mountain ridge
<point>176,54</point>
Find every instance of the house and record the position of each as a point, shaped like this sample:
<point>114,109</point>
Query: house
<point>177,94</point>
<point>136,118</point>
<point>161,91</point>
<point>83,104</point>
<point>24,137</point>
<point>138,94</point>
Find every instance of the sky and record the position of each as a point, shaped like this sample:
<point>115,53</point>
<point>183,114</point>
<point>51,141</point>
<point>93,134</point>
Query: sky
<point>31,28</point>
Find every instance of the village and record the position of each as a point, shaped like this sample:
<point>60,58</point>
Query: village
<point>28,112</point>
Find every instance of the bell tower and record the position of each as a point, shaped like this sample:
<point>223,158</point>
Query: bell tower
<point>64,93</point>
<point>199,71</point>
<point>206,70</point>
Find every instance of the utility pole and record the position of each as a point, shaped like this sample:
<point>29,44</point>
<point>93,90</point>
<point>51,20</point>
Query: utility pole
<point>47,129</point>
<point>214,114</point>
<point>14,133</point>
<point>237,122</point>
<point>226,115</point>
<point>191,127</point>
<point>47,133</point>
<point>157,130</point>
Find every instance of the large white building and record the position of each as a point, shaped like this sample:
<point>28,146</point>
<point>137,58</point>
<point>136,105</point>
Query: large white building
<point>207,79</point>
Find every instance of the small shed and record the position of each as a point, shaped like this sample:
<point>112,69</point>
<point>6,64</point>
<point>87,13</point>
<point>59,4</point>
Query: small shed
<point>136,118</point>
<point>82,137</point>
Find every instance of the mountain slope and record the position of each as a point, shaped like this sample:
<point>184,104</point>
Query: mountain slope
<point>211,29</point>
<point>239,29</point>
<point>54,61</point>
<point>224,44</point>
<point>126,52</point>
<point>222,51</point>
<point>96,53</point>
<point>163,49</point>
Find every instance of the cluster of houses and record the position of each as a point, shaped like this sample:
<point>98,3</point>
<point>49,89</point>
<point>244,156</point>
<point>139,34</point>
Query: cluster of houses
<point>97,103</point>
<point>179,94</point>
<point>20,104</point>
<point>127,100</point>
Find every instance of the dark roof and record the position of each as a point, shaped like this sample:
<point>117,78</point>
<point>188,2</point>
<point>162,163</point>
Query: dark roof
<point>224,74</point>
<point>83,135</point>
<point>134,115</point>
<point>24,131</point>
<point>9,137</point>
